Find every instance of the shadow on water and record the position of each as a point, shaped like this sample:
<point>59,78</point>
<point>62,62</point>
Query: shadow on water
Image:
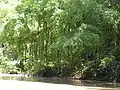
<point>61,81</point>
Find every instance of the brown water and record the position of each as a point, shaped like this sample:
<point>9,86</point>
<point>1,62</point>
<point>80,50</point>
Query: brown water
<point>62,81</point>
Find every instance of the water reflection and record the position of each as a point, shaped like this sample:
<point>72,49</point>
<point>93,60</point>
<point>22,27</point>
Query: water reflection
<point>61,81</point>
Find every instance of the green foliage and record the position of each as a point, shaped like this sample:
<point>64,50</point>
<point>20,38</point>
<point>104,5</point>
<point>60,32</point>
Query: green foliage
<point>6,65</point>
<point>73,36</point>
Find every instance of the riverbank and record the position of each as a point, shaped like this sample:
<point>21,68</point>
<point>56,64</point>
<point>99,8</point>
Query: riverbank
<point>60,81</point>
<point>57,78</point>
<point>23,85</point>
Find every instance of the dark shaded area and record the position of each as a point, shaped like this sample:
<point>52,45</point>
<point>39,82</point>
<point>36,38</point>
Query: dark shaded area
<point>47,72</point>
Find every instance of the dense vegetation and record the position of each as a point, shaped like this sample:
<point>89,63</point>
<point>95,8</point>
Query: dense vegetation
<point>71,38</point>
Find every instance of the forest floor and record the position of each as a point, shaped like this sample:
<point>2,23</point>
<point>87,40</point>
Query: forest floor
<point>23,85</point>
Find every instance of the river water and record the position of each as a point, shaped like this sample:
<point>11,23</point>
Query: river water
<point>62,81</point>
